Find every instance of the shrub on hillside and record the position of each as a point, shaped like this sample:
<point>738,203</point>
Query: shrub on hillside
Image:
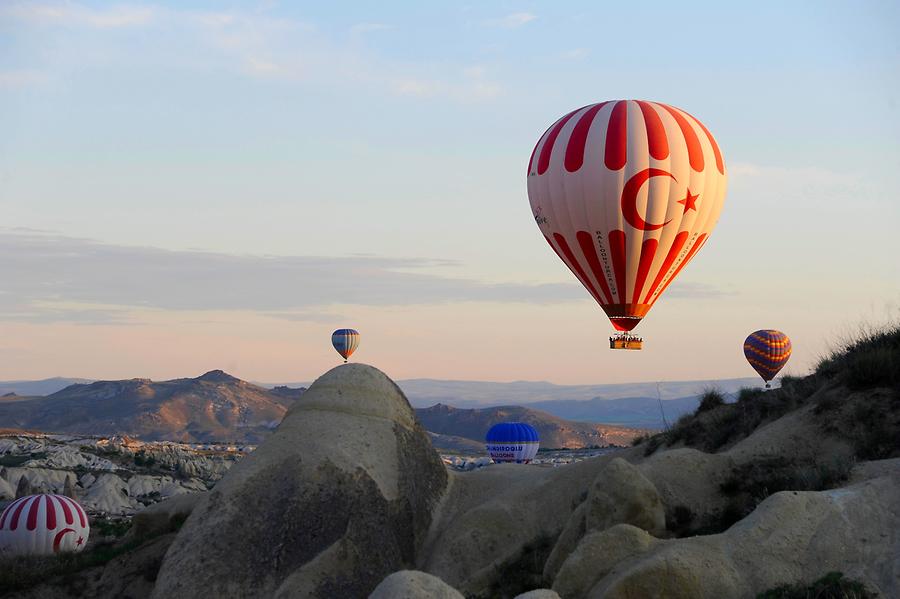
<point>525,572</point>
<point>870,358</point>
<point>831,586</point>
<point>711,398</point>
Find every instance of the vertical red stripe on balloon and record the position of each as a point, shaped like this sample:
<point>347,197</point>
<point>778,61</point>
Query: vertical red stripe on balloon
<point>657,141</point>
<point>695,150</point>
<point>590,254</point>
<point>617,137</point>
<point>14,523</point>
<point>81,515</point>
<point>544,158</point>
<point>8,511</point>
<point>67,512</point>
<point>578,139</point>
<point>648,251</point>
<point>50,504</point>
<point>720,164</point>
<point>617,249</point>
<point>677,243</point>
<point>690,254</point>
<point>31,523</point>
<point>569,258</point>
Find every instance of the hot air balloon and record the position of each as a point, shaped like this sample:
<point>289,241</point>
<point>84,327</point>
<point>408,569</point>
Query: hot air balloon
<point>767,351</point>
<point>512,442</point>
<point>43,525</point>
<point>345,341</point>
<point>626,192</point>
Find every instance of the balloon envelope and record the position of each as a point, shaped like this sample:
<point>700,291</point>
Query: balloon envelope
<point>43,525</point>
<point>345,341</point>
<point>768,351</point>
<point>626,192</point>
<point>512,442</point>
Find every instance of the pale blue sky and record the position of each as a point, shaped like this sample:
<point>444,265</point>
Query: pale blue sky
<point>283,140</point>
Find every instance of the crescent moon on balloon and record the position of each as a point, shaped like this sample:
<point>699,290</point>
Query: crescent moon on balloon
<point>59,537</point>
<point>629,198</point>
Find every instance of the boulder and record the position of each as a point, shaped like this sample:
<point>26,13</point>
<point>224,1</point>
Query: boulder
<point>538,594</point>
<point>6,490</point>
<point>620,494</point>
<point>337,498</point>
<point>687,478</point>
<point>792,537</point>
<point>164,516</point>
<point>506,516</point>
<point>597,554</point>
<point>412,584</point>
<point>23,489</point>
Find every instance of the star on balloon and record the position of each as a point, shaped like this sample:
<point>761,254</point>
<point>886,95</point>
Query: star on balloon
<point>689,201</point>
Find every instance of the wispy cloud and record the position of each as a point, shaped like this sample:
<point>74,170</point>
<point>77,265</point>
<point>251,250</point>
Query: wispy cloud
<point>361,28</point>
<point>576,54</point>
<point>21,78</point>
<point>471,84</point>
<point>513,20</point>
<point>53,278</point>
<point>258,44</point>
<point>74,14</point>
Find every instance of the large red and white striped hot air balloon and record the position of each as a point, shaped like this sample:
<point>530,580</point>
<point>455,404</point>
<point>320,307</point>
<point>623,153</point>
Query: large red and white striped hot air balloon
<point>43,525</point>
<point>626,192</point>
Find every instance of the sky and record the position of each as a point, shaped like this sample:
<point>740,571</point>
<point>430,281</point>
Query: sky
<point>196,185</point>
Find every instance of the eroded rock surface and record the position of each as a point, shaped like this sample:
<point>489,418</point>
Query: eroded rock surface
<point>413,584</point>
<point>340,496</point>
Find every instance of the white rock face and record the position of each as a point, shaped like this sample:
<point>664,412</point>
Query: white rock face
<point>115,476</point>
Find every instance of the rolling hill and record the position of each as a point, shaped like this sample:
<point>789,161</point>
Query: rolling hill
<point>554,432</point>
<point>212,407</point>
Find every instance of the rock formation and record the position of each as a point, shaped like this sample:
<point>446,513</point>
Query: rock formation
<point>792,536</point>
<point>23,489</point>
<point>340,496</point>
<point>412,584</point>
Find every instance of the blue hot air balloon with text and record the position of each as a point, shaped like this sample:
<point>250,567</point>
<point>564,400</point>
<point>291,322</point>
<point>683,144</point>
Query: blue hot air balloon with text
<point>512,442</point>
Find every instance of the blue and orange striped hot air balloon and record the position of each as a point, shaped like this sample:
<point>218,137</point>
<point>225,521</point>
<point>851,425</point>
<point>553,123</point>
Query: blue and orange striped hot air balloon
<point>345,341</point>
<point>768,351</point>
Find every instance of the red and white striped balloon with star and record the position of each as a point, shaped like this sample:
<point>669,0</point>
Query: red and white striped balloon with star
<point>626,192</point>
<point>43,525</point>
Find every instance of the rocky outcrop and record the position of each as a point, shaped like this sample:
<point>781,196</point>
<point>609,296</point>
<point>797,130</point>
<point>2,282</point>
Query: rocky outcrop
<point>620,494</point>
<point>791,537</point>
<point>538,594</point>
<point>164,516</point>
<point>340,496</point>
<point>597,554</point>
<point>412,584</point>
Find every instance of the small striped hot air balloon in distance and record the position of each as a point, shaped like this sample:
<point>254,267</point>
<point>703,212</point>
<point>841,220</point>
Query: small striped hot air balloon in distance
<point>626,192</point>
<point>512,442</point>
<point>768,351</point>
<point>345,342</point>
<point>43,525</point>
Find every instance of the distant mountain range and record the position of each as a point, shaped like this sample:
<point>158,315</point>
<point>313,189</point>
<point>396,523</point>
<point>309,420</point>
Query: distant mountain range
<point>554,432</point>
<point>625,404</point>
<point>42,387</point>
<point>212,407</point>
<point>217,406</point>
